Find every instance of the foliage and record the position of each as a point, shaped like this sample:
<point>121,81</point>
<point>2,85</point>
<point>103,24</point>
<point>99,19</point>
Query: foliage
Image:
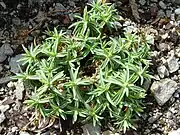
<point>89,75</point>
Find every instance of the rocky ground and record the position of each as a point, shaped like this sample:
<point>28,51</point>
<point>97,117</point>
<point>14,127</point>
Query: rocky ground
<point>23,21</point>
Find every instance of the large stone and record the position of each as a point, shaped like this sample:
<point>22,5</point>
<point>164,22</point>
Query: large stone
<point>173,64</point>
<point>14,64</point>
<point>163,90</point>
<point>89,129</point>
<point>6,49</point>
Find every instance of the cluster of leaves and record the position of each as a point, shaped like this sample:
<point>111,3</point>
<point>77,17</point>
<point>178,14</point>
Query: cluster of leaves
<point>89,75</point>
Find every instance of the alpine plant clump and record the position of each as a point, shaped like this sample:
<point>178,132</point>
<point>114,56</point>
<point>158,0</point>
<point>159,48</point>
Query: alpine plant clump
<point>90,75</point>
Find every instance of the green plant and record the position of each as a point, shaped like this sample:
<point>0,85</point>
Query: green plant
<point>89,75</point>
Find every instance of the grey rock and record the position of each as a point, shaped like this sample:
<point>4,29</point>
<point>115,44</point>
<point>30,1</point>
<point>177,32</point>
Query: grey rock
<point>161,13</point>
<point>154,118</point>
<point>4,108</point>
<point>7,101</point>
<point>146,84</point>
<point>1,68</point>
<point>176,1</point>
<point>72,3</point>
<point>19,90</point>
<point>5,79</point>
<point>162,71</point>
<point>162,5</point>
<point>40,2</point>
<point>2,57</point>
<point>176,95</point>
<point>168,13</point>
<point>177,52</point>
<point>2,117</point>
<point>108,132</point>
<point>3,4</point>
<point>172,64</point>
<point>89,129</point>
<point>177,11</point>
<point>35,33</point>
<point>14,64</point>
<point>163,90</point>
<point>142,2</point>
<point>59,6</point>
<point>46,133</point>
<point>6,49</point>
<point>175,132</point>
<point>16,21</point>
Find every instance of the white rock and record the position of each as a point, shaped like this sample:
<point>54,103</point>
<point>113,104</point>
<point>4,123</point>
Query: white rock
<point>175,132</point>
<point>163,90</point>
<point>10,84</point>
<point>14,129</point>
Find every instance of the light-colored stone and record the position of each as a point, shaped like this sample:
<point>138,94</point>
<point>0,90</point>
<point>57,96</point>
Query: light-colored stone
<point>172,64</point>
<point>177,11</point>
<point>162,5</point>
<point>5,79</point>
<point>14,129</point>
<point>19,90</point>
<point>162,71</point>
<point>10,84</point>
<point>6,49</point>
<point>89,129</point>
<point>14,64</point>
<point>163,47</point>
<point>142,2</point>
<point>24,133</point>
<point>163,90</point>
